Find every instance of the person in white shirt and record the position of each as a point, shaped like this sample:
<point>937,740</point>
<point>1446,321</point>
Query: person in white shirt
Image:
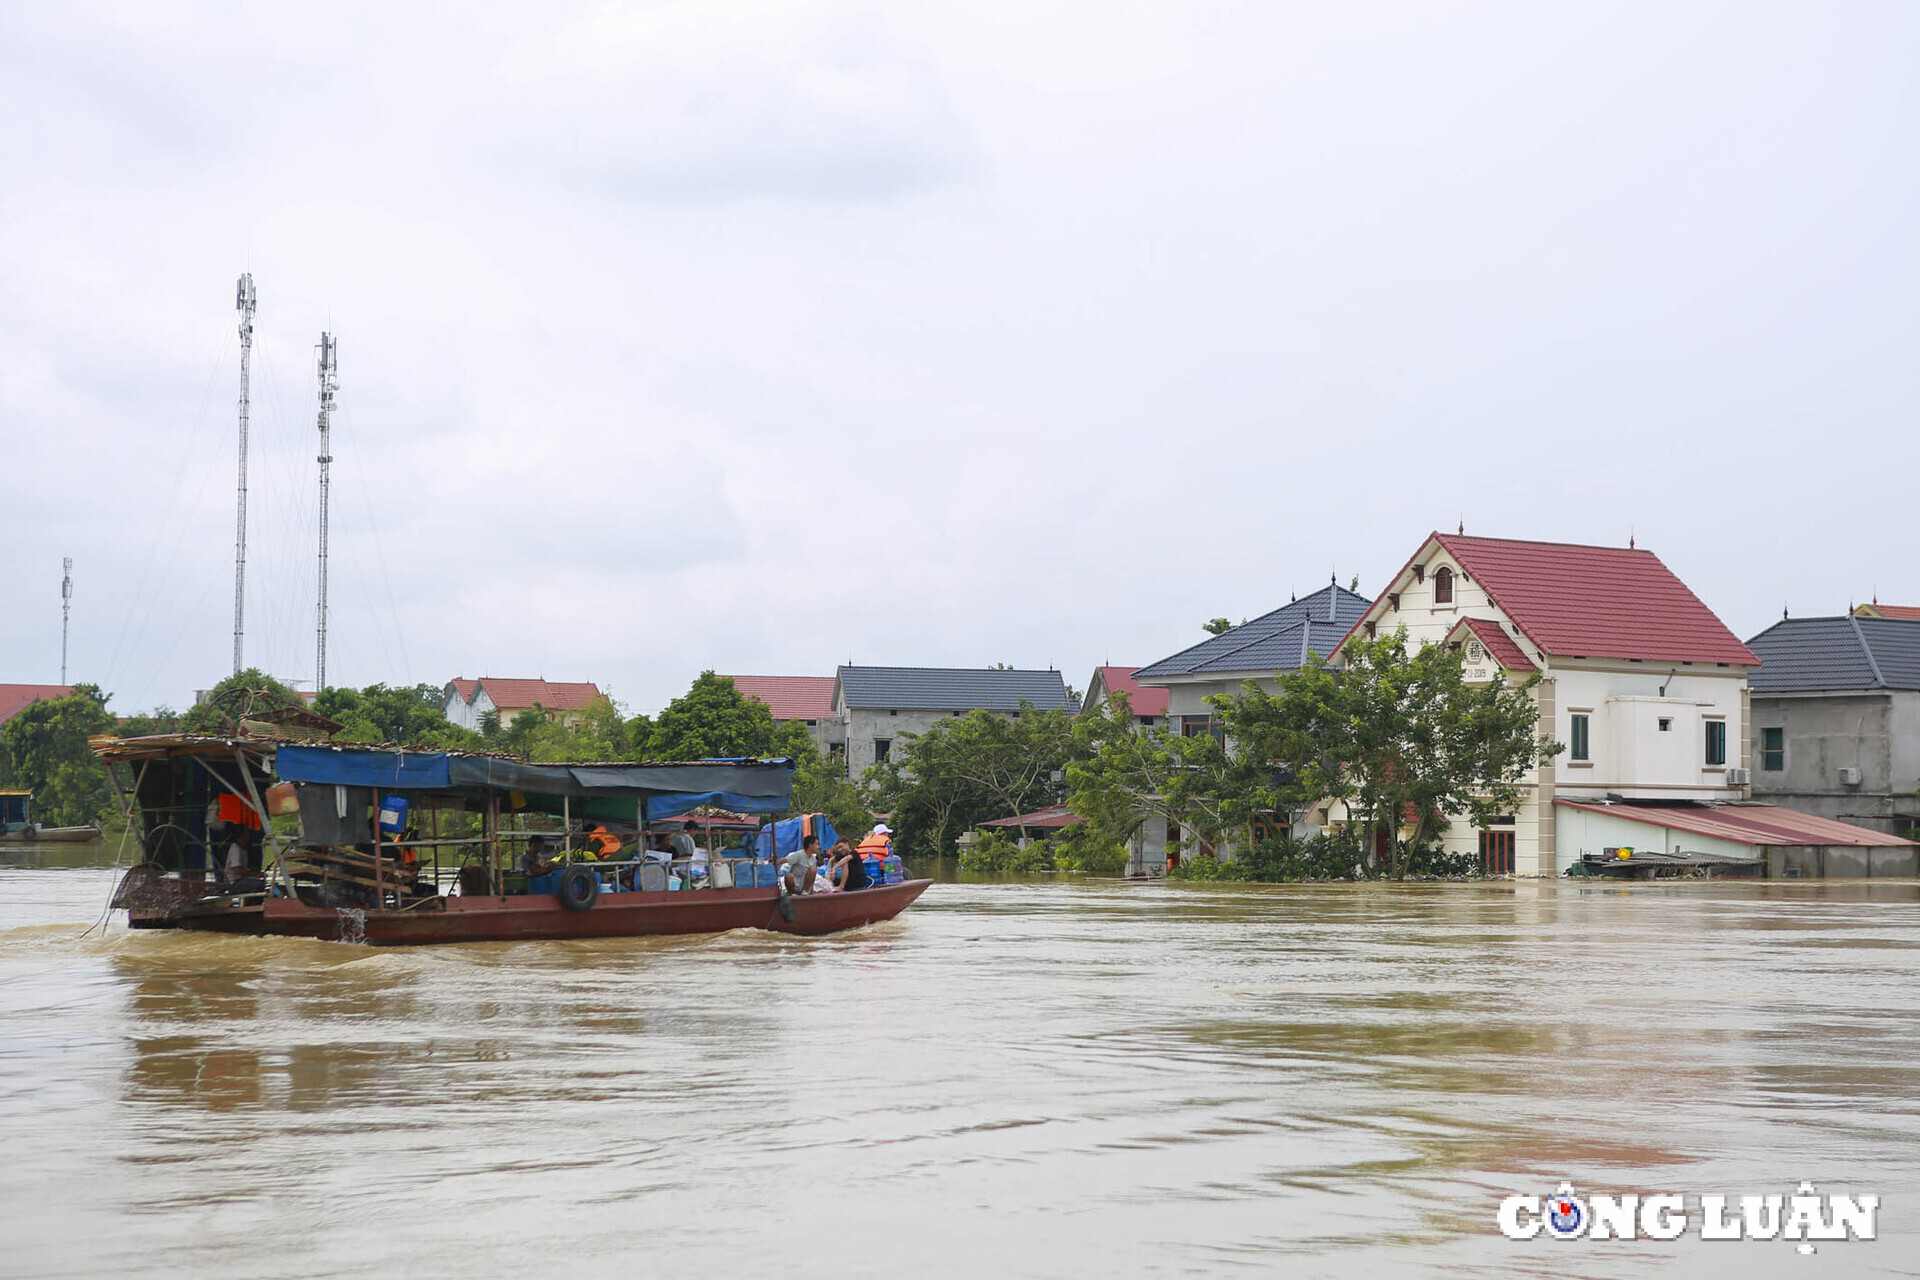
<point>802,865</point>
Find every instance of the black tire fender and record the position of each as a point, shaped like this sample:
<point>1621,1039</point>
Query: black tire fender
<point>579,888</point>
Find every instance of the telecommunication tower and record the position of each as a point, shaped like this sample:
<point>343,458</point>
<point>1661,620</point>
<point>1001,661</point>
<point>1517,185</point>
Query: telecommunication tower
<point>243,302</point>
<point>329,383</point>
<point>66,610</point>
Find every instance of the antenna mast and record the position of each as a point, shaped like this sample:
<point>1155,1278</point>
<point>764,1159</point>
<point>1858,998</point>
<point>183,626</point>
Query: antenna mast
<point>243,302</point>
<point>66,610</point>
<point>329,383</point>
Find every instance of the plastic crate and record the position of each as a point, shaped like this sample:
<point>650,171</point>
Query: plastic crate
<point>548,883</point>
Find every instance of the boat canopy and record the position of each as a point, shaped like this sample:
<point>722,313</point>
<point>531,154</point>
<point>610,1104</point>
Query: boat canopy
<point>608,790</point>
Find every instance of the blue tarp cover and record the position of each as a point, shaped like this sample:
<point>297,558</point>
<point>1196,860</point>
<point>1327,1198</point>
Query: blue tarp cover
<point>748,786</point>
<point>787,836</point>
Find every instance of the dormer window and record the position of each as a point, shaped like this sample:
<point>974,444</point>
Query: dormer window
<point>1443,586</point>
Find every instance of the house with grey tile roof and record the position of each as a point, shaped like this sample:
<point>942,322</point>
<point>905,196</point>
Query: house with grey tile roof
<point>1836,719</point>
<point>1255,650</point>
<point>880,705</point>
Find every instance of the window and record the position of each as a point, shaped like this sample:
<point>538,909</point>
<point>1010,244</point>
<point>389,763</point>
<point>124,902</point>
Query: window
<point>1443,586</point>
<point>1580,747</point>
<point>882,749</point>
<point>1194,726</point>
<point>1773,750</point>
<point>1716,743</point>
<point>1666,724</point>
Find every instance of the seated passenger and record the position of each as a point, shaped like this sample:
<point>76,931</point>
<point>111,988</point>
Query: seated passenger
<point>849,869</point>
<point>800,865</point>
<point>682,843</point>
<point>660,852</point>
<point>534,861</point>
<point>604,843</point>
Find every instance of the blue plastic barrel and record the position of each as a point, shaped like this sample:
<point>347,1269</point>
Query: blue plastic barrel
<point>393,815</point>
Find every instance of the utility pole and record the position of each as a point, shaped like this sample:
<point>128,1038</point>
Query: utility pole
<point>329,383</point>
<point>243,302</point>
<point>66,610</point>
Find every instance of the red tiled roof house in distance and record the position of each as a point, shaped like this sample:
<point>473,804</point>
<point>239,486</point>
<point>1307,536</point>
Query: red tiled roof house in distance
<point>465,701</point>
<point>807,699</point>
<point>1643,684</point>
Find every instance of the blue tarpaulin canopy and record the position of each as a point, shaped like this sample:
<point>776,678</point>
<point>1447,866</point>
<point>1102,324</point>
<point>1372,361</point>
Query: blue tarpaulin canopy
<point>787,836</point>
<point>746,786</point>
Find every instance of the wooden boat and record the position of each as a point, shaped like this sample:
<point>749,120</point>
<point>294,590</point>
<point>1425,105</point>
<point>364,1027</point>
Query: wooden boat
<point>89,832</point>
<point>396,888</point>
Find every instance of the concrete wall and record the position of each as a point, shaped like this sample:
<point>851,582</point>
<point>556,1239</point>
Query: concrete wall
<point>1147,851</point>
<point>863,725</point>
<point>1876,732</point>
<point>1840,862</point>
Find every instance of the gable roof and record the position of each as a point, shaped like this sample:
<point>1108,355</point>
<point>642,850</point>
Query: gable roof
<point>463,689</point>
<point>790,697</point>
<point>15,698</point>
<point>1878,610</point>
<point>1277,641</point>
<point>951,688</point>
<point>1803,655</point>
<point>1509,655</point>
<point>554,695</point>
<point>1593,602</point>
<point>1750,824</point>
<point>1142,702</point>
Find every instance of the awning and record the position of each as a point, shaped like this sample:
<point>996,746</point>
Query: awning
<point>745,786</point>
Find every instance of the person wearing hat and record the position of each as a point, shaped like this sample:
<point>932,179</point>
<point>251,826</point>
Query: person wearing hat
<point>879,842</point>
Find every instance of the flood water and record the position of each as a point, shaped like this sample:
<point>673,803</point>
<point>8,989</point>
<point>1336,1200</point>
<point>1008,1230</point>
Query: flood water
<point>1048,1079</point>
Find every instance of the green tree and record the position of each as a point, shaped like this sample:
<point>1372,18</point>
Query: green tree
<point>1128,773</point>
<point>600,733</point>
<point>1216,626</point>
<point>239,696</point>
<point>46,752</point>
<point>162,719</point>
<point>412,717</point>
<point>1396,732</point>
<point>971,768</point>
<point>713,720</point>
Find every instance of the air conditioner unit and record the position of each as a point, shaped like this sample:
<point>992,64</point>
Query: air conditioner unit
<point>1739,777</point>
<point>1849,776</point>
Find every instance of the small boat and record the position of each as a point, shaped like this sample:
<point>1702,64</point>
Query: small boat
<point>16,819</point>
<point>398,847</point>
<point>1655,864</point>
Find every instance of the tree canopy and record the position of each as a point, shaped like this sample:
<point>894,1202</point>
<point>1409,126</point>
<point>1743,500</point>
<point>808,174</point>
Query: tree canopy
<point>713,720</point>
<point>970,769</point>
<point>45,745</point>
<point>411,717</point>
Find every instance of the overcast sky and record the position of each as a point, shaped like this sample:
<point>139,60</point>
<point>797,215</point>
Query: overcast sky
<point>762,337</point>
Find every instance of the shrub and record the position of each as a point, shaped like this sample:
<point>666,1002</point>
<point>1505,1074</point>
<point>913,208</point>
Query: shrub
<point>992,853</point>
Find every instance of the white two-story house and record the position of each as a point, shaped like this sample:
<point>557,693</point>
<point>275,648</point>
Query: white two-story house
<point>1643,684</point>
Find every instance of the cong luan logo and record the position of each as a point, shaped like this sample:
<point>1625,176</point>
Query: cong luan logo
<point>1806,1215</point>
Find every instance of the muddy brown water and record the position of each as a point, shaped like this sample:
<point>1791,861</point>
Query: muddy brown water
<point>1035,1078</point>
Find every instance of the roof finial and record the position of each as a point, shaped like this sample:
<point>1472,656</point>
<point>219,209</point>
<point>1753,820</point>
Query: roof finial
<point>1630,540</point>
<point>1462,530</point>
<point>1333,578</point>
<point>1783,611</point>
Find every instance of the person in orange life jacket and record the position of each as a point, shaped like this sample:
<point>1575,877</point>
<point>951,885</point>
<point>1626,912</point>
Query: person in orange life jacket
<point>879,842</point>
<point>602,841</point>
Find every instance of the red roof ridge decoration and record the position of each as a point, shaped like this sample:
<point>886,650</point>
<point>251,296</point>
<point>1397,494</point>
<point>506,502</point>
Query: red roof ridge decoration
<point>1141,700</point>
<point>1579,601</point>
<point>1508,654</point>
<point>790,697</point>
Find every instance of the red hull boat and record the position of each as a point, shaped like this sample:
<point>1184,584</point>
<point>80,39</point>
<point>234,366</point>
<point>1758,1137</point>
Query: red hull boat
<point>535,917</point>
<point>363,866</point>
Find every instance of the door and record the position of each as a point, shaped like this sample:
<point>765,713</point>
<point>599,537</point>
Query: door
<point>1496,852</point>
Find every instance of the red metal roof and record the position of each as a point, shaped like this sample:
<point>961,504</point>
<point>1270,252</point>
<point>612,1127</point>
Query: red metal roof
<point>15,698</point>
<point>790,697</point>
<point>1508,654</point>
<point>1043,819</point>
<point>518,695</point>
<point>1143,701</point>
<point>464,688</point>
<point>1752,824</point>
<point>1597,602</point>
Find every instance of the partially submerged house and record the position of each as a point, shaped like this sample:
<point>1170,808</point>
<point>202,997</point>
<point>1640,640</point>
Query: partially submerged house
<point>1260,650</point>
<point>1836,717</point>
<point>806,700</point>
<point>467,702</point>
<point>1788,844</point>
<point>1642,683</point>
<point>878,705</point>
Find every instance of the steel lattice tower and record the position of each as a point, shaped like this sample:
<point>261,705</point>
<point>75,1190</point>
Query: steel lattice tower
<point>244,303</point>
<point>329,383</point>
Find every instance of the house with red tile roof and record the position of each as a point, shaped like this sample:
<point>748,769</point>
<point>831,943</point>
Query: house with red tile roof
<point>807,699</point>
<point>1149,706</point>
<point>465,701</point>
<point>15,698</point>
<point>1643,685</point>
